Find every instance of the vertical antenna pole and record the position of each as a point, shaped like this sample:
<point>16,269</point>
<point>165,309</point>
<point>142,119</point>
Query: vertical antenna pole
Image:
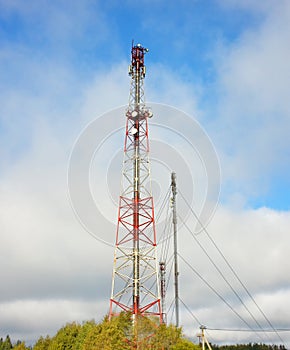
<point>136,55</point>
<point>176,273</point>
<point>162,269</point>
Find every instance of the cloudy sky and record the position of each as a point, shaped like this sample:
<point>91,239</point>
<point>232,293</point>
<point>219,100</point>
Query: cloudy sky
<point>225,63</point>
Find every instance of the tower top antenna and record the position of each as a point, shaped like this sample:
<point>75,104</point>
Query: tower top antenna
<point>137,60</point>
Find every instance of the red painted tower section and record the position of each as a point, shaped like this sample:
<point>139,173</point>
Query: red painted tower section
<point>135,284</point>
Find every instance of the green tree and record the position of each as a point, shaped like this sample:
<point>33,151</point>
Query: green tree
<point>170,337</point>
<point>117,334</point>
<point>85,330</point>
<point>6,344</point>
<point>110,334</point>
<point>42,343</point>
<point>20,346</point>
<point>66,337</point>
<point>184,344</point>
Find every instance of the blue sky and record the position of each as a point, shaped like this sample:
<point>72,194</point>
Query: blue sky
<point>183,36</point>
<point>84,39</point>
<point>180,38</point>
<point>63,63</point>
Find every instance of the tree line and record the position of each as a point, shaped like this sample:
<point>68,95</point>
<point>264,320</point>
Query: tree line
<point>249,346</point>
<point>119,334</point>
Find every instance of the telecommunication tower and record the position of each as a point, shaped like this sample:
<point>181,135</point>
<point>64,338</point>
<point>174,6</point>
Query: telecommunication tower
<point>135,284</point>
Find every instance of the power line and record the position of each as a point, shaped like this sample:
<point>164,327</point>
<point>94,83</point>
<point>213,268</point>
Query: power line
<point>215,291</point>
<point>165,250</point>
<point>249,330</point>
<point>232,269</point>
<point>222,275</point>
<point>188,309</point>
<point>165,199</point>
<point>169,262</point>
<point>166,241</point>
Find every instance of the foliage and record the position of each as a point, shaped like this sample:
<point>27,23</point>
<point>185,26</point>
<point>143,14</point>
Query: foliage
<point>119,334</point>
<point>66,337</point>
<point>6,344</point>
<point>42,343</point>
<point>109,334</point>
<point>20,346</point>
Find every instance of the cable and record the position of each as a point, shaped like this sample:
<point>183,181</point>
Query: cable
<point>165,200</point>
<point>170,262</point>
<point>232,269</point>
<point>188,309</point>
<point>222,275</point>
<point>170,306</point>
<point>165,237</point>
<point>212,288</point>
<point>220,272</point>
<point>248,330</point>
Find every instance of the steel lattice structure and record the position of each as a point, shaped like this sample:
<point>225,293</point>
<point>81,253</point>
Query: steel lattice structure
<point>135,284</point>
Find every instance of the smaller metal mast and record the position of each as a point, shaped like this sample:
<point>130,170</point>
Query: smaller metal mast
<point>176,273</point>
<point>162,270</point>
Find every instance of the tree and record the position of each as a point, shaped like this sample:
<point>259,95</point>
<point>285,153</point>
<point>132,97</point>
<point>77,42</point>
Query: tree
<point>116,334</point>
<point>170,337</point>
<point>66,337</point>
<point>20,346</point>
<point>42,343</point>
<point>110,334</point>
<point>6,344</point>
<point>85,330</point>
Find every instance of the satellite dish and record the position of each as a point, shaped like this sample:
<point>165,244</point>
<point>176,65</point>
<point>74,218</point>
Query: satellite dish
<point>133,131</point>
<point>134,114</point>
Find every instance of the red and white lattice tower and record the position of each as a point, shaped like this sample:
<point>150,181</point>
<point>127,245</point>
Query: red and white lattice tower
<point>135,285</point>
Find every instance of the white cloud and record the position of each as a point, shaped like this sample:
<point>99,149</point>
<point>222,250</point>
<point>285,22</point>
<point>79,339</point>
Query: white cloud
<point>45,316</point>
<point>165,86</point>
<point>49,263</point>
<point>255,243</point>
<point>253,83</point>
<point>260,7</point>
